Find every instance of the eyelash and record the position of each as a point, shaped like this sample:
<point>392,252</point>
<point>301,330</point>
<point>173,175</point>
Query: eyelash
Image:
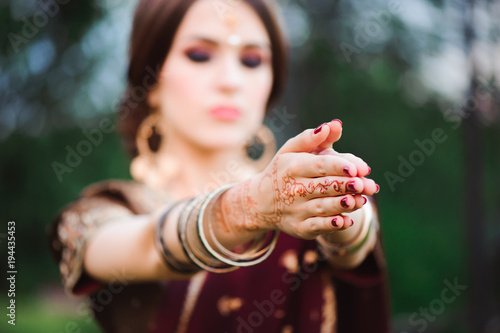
<point>251,62</point>
<point>198,56</point>
<point>201,56</point>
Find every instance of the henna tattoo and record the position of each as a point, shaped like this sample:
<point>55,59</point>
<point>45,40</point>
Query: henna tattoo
<point>284,192</point>
<point>253,215</point>
<point>240,205</point>
<point>278,204</point>
<point>283,196</point>
<point>220,212</point>
<point>291,188</point>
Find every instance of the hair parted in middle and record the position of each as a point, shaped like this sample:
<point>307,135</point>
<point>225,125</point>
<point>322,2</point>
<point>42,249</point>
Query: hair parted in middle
<point>153,31</point>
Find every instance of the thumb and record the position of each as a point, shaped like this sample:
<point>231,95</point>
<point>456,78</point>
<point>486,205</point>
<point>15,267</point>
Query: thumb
<point>306,141</point>
<point>334,136</point>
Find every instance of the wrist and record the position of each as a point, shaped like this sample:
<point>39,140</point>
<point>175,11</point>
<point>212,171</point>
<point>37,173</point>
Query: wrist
<point>230,217</point>
<point>207,240</point>
<point>238,211</point>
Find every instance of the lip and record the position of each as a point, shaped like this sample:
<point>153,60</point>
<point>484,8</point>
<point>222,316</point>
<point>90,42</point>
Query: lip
<point>226,113</point>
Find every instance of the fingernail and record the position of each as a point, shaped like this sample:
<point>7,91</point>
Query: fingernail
<point>369,170</point>
<point>366,200</point>
<point>343,202</point>
<point>346,171</point>
<point>352,223</point>
<point>318,129</point>
<point>378,188</point>
<point>350,186</point>
<point>334,222</point>
<point>338,121</point>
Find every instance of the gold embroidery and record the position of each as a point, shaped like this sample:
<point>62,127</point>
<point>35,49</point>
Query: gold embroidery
<point>74,231</point>
<point>227,304</point>
<point>192,294</point>
<point>279,314</point>
<point>310,257</point>
<point>329,305</point>
<point>290,261</point>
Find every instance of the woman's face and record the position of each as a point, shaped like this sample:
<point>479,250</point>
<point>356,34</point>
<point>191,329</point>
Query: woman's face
<point>213,93</point>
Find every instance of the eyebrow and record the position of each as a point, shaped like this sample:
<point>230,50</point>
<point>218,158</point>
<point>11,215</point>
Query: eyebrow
<point>214,42</point>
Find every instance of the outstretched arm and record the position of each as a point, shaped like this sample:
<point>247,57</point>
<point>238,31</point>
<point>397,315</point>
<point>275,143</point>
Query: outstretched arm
<point>302,192</point>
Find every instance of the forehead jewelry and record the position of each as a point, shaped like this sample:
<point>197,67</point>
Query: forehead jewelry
<point>234,40</point>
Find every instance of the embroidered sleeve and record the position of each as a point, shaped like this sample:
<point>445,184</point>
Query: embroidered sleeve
<point>72,230</point>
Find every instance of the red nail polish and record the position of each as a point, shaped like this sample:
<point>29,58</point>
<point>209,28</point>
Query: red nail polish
<point>346,171</point>
<point>378,188</point>
<point>350,186</point>
<point>366,200</point>
<point>334,222</point>
<point>343,203</point>
<point>338,121</point>
<point>369,170</point>
<point>352,223</point>
<point>318,129</point>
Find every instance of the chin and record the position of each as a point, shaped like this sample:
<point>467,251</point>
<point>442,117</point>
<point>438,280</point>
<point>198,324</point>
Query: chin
<point>223,140</point>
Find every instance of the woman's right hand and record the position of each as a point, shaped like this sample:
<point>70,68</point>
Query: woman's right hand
<point>302,192</point>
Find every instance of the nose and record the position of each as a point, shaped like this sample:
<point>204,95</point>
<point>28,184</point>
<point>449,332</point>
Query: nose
<point>230,74</point>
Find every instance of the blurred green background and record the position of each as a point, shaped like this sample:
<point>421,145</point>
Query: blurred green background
<point>393,71</point>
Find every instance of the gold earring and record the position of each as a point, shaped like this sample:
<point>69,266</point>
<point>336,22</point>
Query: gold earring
<point>261,149</point>
<point>145,160</point>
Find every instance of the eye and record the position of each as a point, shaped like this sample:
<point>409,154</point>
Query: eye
<point>198,55</point>
<point>251,61</point>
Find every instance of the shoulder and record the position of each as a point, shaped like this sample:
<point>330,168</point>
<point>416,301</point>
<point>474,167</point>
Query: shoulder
<point>98,204</point>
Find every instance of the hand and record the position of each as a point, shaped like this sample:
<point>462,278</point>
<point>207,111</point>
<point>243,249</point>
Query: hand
<point>306,187</point>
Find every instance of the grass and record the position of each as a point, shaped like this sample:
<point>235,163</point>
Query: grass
<point>40,315</point>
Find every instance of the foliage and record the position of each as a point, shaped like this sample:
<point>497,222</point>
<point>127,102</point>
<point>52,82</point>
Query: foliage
<point>46,107</point>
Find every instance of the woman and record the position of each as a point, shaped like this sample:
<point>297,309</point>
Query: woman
<point>161,254</point>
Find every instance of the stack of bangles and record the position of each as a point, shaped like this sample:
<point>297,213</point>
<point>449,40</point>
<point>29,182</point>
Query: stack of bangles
<point>197,238</point>
<point>357,242</point>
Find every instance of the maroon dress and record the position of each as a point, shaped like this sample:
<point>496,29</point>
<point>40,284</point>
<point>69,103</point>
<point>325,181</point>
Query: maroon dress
<point>294,290</point>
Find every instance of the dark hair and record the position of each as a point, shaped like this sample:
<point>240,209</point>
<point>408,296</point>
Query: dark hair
<point>153,30</point>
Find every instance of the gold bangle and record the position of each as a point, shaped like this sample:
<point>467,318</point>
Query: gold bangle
<point>168,258</point>
<point>231,258</point>
<point>191,231</point>
<point>192,245</point>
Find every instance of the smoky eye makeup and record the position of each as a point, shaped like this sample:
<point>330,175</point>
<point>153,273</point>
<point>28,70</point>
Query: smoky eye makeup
<point>250,56</point>
<point>251,61</point>
<point>198,55</point>
<point>254,57</point>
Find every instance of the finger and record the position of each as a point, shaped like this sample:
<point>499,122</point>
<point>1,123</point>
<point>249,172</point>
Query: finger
<point>323,186</point>
<point>309,165</point>
<point>352,172</point>
<point>347,222</point>
<point>330,206</point>
<point>306,141</point>
<point>369,186</point>
<point>334,136</point>
<point>312,227</point>
<point>361,200</point>
<point>362,168</point>
<point>338,221</point>
<point>347,203</point>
